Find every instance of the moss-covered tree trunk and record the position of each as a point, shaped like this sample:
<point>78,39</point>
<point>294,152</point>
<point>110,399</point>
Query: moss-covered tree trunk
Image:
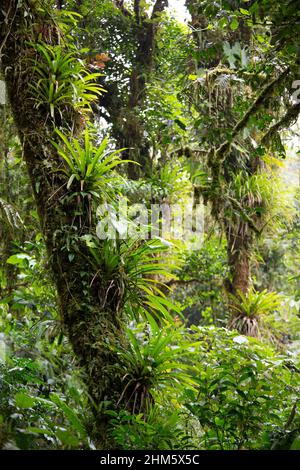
<point>239,250</point>
<point>89,314</point>
<point>6,238</point>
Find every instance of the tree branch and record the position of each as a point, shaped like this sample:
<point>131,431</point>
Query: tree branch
<point>120,5</point>
<point>224,148</point>
<point>290,116</point>
<point>183,282</point>
<point>248,219</point>
<point>137,10</point>
<point>159,6</point>
<point>5,20</point>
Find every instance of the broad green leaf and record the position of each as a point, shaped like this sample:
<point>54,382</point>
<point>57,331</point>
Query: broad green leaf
<point>24,401</point>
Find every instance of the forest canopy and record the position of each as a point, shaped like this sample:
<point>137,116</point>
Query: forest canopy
<point>149,225</point>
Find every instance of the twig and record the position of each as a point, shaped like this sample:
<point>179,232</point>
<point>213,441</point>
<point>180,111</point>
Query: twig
<point>9,28</point>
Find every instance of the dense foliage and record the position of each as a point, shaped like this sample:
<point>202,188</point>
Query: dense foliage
<point>117,328</point>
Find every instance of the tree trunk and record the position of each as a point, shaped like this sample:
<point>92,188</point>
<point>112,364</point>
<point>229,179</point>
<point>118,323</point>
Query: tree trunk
<point>89,310</point>
<point>6,229</point>
<point>239,249</point>
<point>128,127</point>
<point>131,133</point>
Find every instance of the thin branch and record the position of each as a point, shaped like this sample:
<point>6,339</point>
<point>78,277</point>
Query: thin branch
<point>290,117</point>
<point>120,4</point>
<point>224,148</point>
<point>9,28</point>
<point>137,10</point>
<point>237,73</point>
<point>183,282</point>
<point>159,7</point>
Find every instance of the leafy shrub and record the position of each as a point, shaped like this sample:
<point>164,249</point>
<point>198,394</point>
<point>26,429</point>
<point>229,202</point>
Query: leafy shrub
<point>163,429</point>
<point>245,391</point>
<point>230,392</point>
<point>33,417</point>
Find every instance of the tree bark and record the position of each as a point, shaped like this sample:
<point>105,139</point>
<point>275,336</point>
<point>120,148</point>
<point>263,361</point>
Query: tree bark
<point>6,229</point>
<point>130,134</point>
<point>239,249</point>
<point>89,310</point>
